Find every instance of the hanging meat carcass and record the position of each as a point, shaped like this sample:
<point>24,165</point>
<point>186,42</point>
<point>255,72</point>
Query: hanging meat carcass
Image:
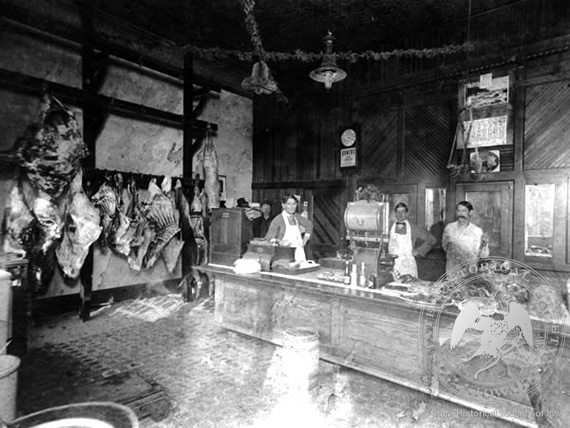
<point>106,200</point>
<point>197,225</point>
<point>140,246</point>
<point>47,233</point>
<point>172,250</point>
<point>210,162</point>
<point>51,149</point>
<point>171,253</point>
<point>82,228</point>
<point>161,216</point>
<point>34,226</point>
<point>19,218</point>
<point>128,221</point>
<point>189,249</point>
<point>144,232</point>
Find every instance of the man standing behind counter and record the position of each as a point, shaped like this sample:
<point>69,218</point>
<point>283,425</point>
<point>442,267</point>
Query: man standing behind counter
<point>262,223</point>
<point>408,241</point>
<point>462,240</point>
<point>290,228</point>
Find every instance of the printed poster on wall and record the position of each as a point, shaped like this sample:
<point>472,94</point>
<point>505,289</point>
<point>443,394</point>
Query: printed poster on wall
<point>490,131</point>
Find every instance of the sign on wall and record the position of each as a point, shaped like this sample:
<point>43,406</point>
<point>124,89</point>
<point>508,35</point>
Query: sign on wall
<point>348,157</point>
<point>491,131</point>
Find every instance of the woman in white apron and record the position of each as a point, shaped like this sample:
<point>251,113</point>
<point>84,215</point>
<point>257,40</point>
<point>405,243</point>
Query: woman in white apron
<point>290,228</point>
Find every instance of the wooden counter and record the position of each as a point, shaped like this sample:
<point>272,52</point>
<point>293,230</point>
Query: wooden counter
<point>358,328</point>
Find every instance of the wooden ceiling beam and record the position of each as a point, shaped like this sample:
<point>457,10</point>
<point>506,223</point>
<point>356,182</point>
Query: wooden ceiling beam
<point>33,85</point>
<point>62,20</point>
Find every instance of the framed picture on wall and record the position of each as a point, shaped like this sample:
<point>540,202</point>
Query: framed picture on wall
<point>222,181</point>
<point>490,160</point>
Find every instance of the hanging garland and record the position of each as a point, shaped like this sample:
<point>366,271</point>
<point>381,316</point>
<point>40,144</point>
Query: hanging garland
<point>251,25</point>
<point>301,56</point>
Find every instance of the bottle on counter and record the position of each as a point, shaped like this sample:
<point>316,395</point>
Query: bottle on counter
<point>353,276</point>
<point>362,276</point>
<point>347,273</point>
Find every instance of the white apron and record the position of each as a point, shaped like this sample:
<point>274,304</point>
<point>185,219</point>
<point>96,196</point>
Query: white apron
<point>292,237</point>
<point>401,245</point>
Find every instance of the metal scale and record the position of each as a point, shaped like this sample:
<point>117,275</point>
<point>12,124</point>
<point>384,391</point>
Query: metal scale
<point>367,226</point>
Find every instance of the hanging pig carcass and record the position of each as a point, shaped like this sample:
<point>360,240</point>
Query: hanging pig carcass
<point>210,163</point>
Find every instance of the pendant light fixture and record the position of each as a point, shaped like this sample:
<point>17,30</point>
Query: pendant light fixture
<point>260,81</point>
<point>328,73</point>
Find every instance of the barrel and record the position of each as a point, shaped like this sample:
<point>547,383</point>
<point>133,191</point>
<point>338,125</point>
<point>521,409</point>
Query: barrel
<point>8,386</point>
<point>300,358</point>
<point>5,309</point>
<point>94,414</point>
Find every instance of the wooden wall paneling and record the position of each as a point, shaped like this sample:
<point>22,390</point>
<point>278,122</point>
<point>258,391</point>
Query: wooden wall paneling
<point>519,103</point>
<point>547,124</point>
<point>560,219</point>
<point>327,221</point>
<point>421,206</point>
<point>263,140</point>
<point>511,123</point>
<point>426,139</point>
<point>379,137</point>
<point>309,139</point>
<point>518,220</point>
<point>567,246</point>
<point>330,154</point>
<point>400,143</point>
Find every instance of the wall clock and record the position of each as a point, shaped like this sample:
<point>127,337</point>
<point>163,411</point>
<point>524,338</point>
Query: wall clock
<point>348,137</point>
<point>349,142</point>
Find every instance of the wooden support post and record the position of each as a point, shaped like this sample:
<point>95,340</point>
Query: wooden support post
<point>188,151</point>
<point>91,125</point>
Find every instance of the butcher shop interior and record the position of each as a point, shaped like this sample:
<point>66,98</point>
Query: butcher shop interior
<point>313,213</point>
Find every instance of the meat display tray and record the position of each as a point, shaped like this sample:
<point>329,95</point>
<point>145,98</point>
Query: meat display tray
<point>296,271</point>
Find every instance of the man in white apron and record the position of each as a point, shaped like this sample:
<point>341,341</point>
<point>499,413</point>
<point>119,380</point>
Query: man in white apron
<point>404,240</point>
<point>462,240</point>
<point>290,228</point>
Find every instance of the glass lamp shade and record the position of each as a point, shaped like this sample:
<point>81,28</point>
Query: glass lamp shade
<point>260,80</point>
<point>328,73</point>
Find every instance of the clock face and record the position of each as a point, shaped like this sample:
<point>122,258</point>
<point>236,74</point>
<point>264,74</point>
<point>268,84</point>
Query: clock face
<point>348,137</point>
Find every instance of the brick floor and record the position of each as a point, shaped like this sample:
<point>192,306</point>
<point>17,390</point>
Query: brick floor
<point>212,377</point>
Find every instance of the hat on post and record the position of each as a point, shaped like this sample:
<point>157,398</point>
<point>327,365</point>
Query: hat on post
<point>242,203</point>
